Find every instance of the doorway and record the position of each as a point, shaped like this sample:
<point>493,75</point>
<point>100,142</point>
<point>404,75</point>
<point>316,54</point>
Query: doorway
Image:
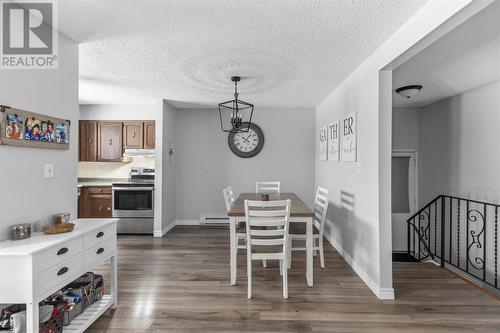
<point>404,195</point>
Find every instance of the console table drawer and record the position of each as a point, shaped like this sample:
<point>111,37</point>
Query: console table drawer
<point>57,274</point>
<point>99,251</point>
<point>97,236</point>
<point>59,253</point>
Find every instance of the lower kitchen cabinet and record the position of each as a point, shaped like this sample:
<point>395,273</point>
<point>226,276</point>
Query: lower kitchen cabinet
<point>95,202</point>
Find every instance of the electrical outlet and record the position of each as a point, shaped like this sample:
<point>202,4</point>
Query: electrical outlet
<point>49,170</point>
<point>207,171</point>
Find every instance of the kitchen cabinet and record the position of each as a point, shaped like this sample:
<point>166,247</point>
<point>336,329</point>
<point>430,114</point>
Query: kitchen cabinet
<point>88,141</point>
<point>96,202</point>
<point>110,141</point>
<point>149,134</point>
<point>133,136</point>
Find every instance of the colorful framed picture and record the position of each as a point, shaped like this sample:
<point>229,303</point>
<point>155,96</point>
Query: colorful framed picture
<point>29,129</point>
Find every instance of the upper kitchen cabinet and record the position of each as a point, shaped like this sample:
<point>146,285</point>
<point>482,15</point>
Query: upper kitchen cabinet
<point>88,141</point>
<point>133,134</point>
<point>149,134</point>
<point>110,147</point>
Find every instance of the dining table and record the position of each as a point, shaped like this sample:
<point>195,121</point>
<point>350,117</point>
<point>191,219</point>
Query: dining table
<point>299,213</point>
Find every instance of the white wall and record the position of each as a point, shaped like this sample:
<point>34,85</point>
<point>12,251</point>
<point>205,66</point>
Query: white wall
<point>165,192</point>
<point>405,128</point>
<point>25,196</point>
<point>287,156</point>
<point>459,140</point>
<point>117,112</point>
<point>364,236</point>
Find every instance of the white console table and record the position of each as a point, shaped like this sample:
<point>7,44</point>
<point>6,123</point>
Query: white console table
<point>32,269</point>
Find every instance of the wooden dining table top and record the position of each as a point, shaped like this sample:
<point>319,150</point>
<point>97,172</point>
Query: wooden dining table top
<point>298,208</point>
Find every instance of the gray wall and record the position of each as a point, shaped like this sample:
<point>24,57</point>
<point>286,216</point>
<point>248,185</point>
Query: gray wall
<point>287,156</point>
<point>459,139</point>
<point>405,127</point>
<point>117,112</point>
<point>168,165</point>
<point>25,196</point>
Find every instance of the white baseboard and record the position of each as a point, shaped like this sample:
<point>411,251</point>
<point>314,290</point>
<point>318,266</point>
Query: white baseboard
<point>381,293</point>
<point>164,231</point>
<point>187,222</point>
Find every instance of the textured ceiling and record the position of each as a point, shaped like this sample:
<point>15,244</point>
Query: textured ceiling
<point>466,58</point>
<point>289,53</point>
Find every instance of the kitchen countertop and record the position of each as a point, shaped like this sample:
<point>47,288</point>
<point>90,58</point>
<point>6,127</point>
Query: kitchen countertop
<point>99,181</point>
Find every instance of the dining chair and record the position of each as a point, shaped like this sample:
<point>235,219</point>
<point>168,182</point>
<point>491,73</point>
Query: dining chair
<point>241,232</point>
<point>298,230</point>
<point>267,187</point>
<point>275,215</point>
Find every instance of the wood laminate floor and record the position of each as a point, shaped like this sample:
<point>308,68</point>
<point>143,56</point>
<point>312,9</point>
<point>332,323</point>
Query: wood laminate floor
<point>181,284</point>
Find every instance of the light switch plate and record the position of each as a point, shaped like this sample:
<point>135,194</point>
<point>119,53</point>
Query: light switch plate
<point>49,170</point>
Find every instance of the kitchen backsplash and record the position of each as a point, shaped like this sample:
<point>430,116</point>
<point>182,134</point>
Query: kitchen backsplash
<point>112,169</point>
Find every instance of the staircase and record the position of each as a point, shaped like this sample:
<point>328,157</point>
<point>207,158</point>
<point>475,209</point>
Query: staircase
<point>459,234</point>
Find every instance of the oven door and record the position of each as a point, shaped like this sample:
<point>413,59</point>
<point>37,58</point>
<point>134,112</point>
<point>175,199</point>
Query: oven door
<point>133,202</point>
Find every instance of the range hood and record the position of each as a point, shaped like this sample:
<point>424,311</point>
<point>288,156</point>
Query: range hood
<point>139,153</point>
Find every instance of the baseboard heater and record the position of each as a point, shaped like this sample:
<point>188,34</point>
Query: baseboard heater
<point>214,221</point>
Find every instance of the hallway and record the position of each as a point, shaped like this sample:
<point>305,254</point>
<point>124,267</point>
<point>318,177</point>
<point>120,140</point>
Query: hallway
<point>181,282</point>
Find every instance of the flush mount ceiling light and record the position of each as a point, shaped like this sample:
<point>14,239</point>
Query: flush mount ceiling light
<point>235,115</point>
<point>409,91</point>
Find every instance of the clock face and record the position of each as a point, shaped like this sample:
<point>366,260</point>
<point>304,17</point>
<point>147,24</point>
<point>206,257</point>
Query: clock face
<point>246,144</point>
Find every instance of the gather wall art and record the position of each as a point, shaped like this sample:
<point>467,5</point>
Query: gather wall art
<point>323,138</point>
<point>338,140</point>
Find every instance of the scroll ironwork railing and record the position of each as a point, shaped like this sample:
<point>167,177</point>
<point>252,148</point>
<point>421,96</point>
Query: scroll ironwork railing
<point>459,232</point>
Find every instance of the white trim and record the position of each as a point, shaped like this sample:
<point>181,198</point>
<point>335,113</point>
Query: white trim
<point>381,293</point>
<point>164,230</point>
<point>187,222</point>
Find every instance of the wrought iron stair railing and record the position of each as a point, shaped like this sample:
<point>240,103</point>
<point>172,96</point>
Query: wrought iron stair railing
<point>462,233</point>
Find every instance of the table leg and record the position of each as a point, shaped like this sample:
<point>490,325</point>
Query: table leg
<point>309,252</point>
<point>114,282</point>
<point>32,316</point>
<point>232,248</point>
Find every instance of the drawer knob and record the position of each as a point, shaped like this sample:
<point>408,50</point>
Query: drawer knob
<point>100,250</point>
<point>62,251</point>
<point>100,234</point>
<point>62,271</point>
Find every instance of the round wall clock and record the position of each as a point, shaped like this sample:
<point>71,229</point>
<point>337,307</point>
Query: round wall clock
<point>246,144</point>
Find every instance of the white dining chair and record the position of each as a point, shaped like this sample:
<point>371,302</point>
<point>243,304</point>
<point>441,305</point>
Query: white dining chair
<point>298,230</point>
<point>241,233</point>
<point>275,215</point>
<point>267,187</point>
<point>270,188</point>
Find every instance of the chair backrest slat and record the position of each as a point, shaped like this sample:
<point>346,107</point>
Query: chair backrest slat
<point>228,197</point>
<point>321,207</point>
<point>267,187</point>
<point>275,216</point>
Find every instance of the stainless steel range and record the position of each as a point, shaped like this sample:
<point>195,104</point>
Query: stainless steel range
<point>133,202</point>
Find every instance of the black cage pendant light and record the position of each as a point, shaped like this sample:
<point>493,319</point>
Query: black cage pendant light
<point>235,115</point>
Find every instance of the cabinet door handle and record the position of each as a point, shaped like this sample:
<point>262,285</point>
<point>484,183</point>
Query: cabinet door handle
<point>110,142</point>
<point>100,234</point>
<point>62,251</point>
<point>133,135</point>
<point>90,140</point>
<point>100,209</point>
<point>62,271</point>
<point>100,250</point>
<point>109,208</point>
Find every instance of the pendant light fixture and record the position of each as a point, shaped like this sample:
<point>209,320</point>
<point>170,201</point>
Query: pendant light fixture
<point>235,115</point>
<point>409,91</point>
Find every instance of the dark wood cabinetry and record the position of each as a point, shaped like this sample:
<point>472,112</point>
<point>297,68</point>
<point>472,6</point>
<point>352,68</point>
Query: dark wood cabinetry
<point>149,134</point>
<point>88,141</point>
<point>110,144</point>
<point>95,202</point>
<point>133,134</point>
<point>104,141</point>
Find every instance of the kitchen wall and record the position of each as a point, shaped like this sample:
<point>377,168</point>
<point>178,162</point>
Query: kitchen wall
<point>363,235</point>
<point>115,112</point>
<point>166,166</point>
<point>459,139</point>
<point>205,165</point>
<point>25,195</point>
